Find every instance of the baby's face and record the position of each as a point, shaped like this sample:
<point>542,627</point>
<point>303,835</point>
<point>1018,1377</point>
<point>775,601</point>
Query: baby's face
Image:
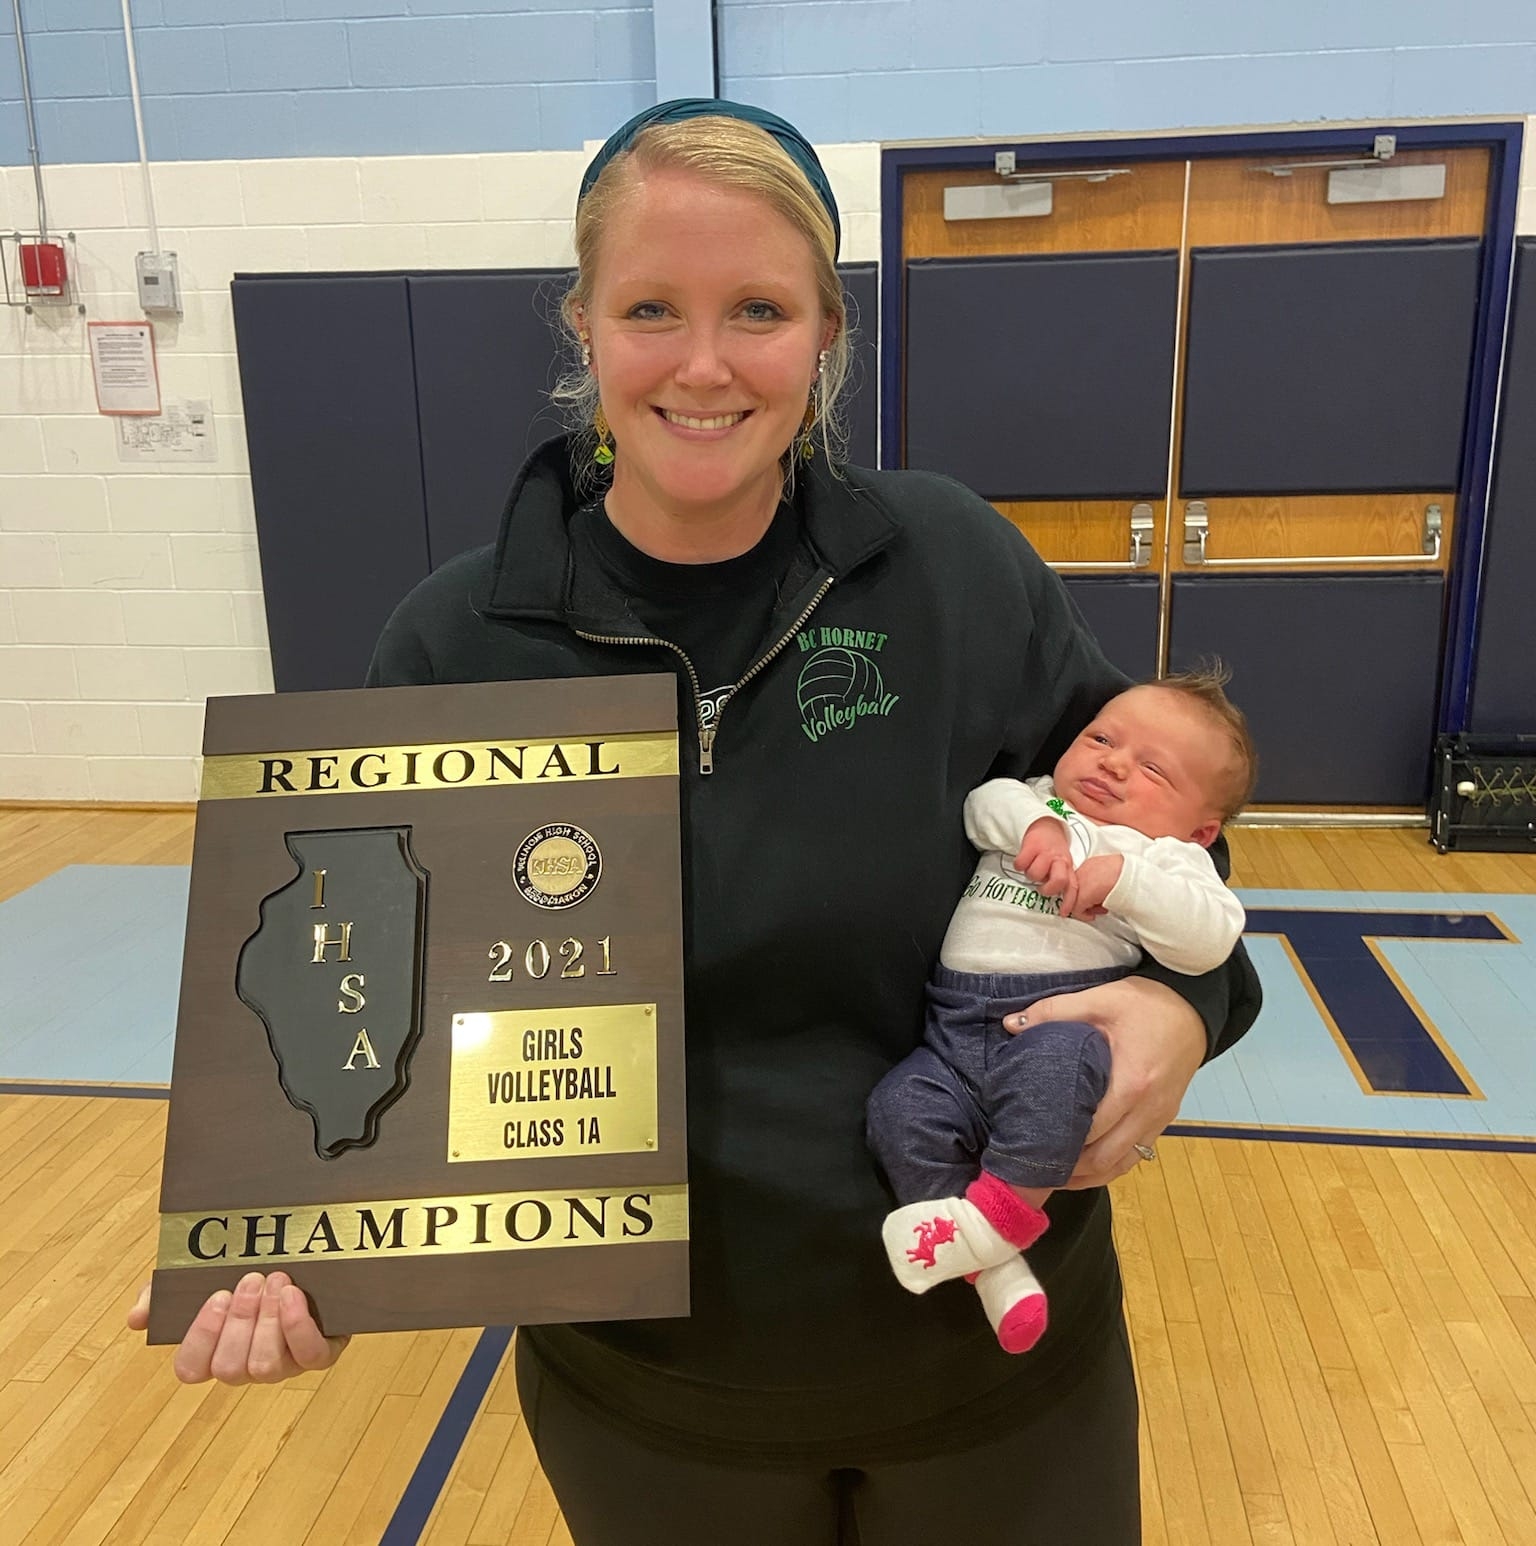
<point>1151,760</point>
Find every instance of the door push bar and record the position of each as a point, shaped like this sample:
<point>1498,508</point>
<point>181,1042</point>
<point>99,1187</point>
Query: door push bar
<point>1141,546</point>
<point>1197,526</point>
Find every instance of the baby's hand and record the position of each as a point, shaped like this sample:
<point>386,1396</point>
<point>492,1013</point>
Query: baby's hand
<point>1045,856</point>
<point>1096,878</point>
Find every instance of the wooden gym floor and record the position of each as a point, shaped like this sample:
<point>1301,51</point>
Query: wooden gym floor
<point>1336,1341</point>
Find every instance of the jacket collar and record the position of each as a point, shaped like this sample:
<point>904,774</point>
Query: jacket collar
<point>846,521</point>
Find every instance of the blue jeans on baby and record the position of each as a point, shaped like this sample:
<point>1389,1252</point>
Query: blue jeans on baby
<point>975,1098</point>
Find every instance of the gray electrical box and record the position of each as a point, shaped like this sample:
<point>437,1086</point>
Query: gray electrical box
<point>159,282</point>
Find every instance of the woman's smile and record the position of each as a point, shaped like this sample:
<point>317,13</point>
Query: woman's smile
<point>697,423</point>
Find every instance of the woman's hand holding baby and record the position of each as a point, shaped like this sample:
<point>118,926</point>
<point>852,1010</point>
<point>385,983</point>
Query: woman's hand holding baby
<point>1158,1042</point>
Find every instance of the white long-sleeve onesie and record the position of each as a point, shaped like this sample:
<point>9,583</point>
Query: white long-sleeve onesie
<point>1169,900</point>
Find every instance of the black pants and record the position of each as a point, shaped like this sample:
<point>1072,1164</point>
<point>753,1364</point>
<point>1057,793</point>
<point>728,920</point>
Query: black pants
<point>1071,1474</point>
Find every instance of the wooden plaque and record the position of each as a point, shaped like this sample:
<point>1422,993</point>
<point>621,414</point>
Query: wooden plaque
<point>429,1054</point>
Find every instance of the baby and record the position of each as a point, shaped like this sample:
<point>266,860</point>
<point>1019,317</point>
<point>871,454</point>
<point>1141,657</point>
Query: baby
<point>1079,874</point>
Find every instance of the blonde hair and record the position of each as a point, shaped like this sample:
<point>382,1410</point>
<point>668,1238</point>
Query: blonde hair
<point>1206,687</point>
<point>728,153</point>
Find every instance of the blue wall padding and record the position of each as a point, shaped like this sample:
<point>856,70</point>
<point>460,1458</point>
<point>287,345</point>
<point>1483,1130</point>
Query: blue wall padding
<point>1122,612</point>
<point>330,420</point>
<point>861,396</point>
<point>1336,674</point>
<point>1042,377</point>
<point>485,361</point>
<point>1329,368</point>
<point>1504,684</point>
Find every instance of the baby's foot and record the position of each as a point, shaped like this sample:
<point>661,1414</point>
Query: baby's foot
<point>1015,1304</point>
<point>931,1242</point>
<point>953,1237</point>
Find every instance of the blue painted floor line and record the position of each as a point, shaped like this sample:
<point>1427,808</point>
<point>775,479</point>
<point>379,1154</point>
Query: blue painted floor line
<point>1491,1144</point>
<point>1487,1143</point>
<point>98,1091</point>
<point>437,1459</point>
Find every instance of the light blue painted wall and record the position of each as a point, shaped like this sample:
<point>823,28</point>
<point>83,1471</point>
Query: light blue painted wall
<point>248,79</point>
<point>918,69</point>
<point>238,79</point>
<point>685,48</point>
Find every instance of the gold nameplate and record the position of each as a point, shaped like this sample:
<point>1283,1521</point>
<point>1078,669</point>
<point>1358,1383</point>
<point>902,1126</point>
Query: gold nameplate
<point>528,1083</point>
<point>422,1226</point>
<point>467,765</point>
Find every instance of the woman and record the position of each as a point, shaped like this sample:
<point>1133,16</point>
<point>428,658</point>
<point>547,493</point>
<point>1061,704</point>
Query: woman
<point>857,650</point>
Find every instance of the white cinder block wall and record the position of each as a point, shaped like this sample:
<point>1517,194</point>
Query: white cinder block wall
<point>130,592</point>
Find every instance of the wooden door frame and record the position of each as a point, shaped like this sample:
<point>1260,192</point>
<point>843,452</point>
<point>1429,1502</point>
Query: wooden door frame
<point>1502,139</point>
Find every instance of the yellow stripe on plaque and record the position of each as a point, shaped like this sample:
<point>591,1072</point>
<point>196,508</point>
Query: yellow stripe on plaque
<point>452,765</point>
<point>423,1226</point>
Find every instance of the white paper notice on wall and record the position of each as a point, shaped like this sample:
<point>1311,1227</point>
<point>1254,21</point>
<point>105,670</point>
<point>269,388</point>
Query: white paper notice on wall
<point>123,364</point>
<point>182,432</point>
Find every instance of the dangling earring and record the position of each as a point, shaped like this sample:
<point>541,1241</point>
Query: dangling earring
<point>602,453</point>
<point>812,409</point>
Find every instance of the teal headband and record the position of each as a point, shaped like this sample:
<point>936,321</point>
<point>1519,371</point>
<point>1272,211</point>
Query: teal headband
<point>790,139</point>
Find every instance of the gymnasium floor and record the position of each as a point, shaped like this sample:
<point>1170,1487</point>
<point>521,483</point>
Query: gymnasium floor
<point>1331,1270</point>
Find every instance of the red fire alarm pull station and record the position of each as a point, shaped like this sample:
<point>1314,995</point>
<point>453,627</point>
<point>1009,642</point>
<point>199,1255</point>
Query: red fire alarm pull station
<point>44,271</point>
<point>37,271</point>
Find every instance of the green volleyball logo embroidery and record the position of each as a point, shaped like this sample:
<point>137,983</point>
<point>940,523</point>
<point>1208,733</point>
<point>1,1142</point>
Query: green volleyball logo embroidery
<point>840,683</point>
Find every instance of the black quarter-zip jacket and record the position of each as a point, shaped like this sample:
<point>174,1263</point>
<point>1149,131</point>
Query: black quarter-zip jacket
<point>919,647</point>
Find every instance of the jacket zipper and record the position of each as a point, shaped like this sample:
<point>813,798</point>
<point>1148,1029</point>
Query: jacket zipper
<point>707,732</point>
<point>706,748</point>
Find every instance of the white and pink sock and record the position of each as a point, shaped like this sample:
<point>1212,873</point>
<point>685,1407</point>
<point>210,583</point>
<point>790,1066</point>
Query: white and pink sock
<point>1015,1303</point>
<point>931,1242</point>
